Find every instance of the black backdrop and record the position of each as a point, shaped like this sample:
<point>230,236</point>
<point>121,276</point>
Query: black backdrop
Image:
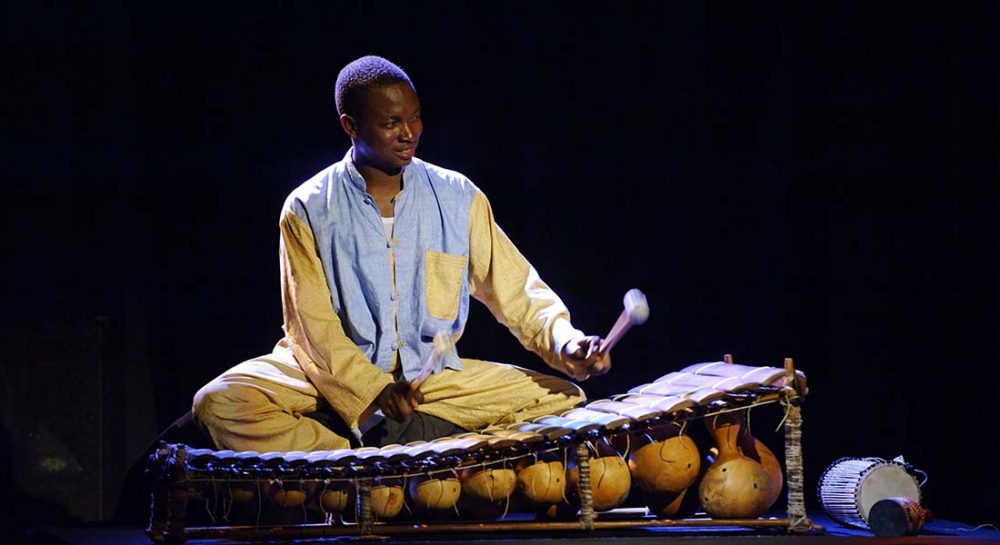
<point>781,179</point>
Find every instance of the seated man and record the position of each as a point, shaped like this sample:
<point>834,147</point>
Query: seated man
<point>379,253</point>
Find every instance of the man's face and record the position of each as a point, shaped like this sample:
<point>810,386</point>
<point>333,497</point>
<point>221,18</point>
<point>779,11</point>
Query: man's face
<point>387,133</point>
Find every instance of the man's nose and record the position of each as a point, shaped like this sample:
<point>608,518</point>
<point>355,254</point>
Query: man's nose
<point>406,133</point>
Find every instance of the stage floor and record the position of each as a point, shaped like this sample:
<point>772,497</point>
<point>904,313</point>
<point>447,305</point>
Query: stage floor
<point>936,532</point>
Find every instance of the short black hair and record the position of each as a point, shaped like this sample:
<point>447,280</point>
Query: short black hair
<point>360,75</point>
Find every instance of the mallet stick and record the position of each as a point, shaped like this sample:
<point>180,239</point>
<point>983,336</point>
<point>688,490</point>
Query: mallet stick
<point>636,312</point>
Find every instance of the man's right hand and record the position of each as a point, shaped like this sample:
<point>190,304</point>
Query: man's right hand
<point>585,359</point>
<point>398,401</point>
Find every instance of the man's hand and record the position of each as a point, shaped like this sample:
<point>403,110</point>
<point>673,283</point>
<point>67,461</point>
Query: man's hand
<point>398,401</point>
<point>585,359</point>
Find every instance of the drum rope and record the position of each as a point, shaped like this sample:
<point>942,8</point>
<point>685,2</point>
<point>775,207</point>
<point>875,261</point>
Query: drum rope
<point>596,455</point>
<point>565,465</point>
<point>260,506</point>
<point>305,514</point>
<point>208,510</point>
<point>586,496</point>
<point>215,503</point>
<point>177,509</point>
<point>228,505</point>
<point>506,506</point>
<point>364,506</point>
<point>404,486</point>
<point>455,505</point>
<point>326,514</point>
<point>492,487</point>
<point>788,407</point>
<point>738,408</point>
<point>980,527</point>
<point>798,520</point>
<point>464,465</point>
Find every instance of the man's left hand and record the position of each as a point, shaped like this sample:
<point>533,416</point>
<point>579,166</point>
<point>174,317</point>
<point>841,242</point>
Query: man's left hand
<point>584,358</point>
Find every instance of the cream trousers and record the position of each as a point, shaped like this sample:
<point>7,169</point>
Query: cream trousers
<point>259,404</point>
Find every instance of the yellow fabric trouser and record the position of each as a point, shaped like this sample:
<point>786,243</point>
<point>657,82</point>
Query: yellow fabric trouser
<point>259,404</point>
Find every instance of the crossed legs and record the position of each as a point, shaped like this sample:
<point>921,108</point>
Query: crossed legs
<point>261,404</point>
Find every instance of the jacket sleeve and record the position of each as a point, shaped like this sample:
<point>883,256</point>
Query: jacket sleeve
<point>509,286</point>
<point>334,364</point>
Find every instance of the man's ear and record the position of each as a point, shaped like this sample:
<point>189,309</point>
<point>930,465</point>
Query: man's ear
<point>349,125</point>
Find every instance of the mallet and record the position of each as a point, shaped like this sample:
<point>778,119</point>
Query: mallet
<point>635,313</point>
<point>443,343</point>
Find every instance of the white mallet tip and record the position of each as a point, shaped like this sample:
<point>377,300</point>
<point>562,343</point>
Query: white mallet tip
<point>443,342</point>
<point>636,306</point>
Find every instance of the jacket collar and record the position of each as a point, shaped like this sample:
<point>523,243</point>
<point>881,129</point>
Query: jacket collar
<point>358,181</point>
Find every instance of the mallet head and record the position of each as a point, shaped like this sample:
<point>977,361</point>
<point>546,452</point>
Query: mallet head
<point>636,307</point>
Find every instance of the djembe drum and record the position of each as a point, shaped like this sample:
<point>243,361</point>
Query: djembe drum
<point>851,486</point>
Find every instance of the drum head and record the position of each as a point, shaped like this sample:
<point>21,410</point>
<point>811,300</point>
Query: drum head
<point>886,481</point>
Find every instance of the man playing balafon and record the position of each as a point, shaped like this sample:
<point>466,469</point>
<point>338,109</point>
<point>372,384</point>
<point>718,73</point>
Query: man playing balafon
<point>379,253</point>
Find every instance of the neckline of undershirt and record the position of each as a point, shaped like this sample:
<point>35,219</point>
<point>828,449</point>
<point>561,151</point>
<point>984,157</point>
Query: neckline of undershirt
<point>387,226</point>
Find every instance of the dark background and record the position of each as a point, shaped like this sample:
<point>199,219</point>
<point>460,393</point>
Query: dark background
<point>794,179</point>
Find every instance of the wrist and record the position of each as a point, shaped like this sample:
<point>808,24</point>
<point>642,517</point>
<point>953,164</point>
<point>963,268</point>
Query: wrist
<point>564,335</point>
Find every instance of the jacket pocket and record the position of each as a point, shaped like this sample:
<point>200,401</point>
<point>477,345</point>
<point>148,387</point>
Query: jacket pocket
<point>443,275</point>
